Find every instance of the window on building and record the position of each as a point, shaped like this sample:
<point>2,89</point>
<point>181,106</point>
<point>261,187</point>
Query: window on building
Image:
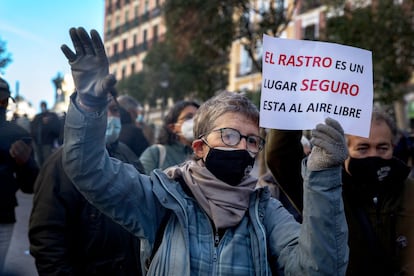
<point>133,68</point>
<point>309,32</point>
<point>108,25</point>
<point>146,6</point>
<point>126,16</point>
<point>117,21</point>
<point>245,62</point>
<point>155,34</point>
<point>115,48</point>
<point>134,40</point>
<point>124,44</point>
<point>136,11</point>
<point>144,39</point>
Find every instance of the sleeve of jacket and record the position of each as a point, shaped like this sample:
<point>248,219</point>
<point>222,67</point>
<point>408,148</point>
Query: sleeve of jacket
<point>284,154</point>
<point>321,245</point>
<point>50,238</point>
<point>117,189</point>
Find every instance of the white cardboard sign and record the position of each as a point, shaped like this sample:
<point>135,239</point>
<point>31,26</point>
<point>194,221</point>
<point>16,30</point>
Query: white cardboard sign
<point>303,82</point>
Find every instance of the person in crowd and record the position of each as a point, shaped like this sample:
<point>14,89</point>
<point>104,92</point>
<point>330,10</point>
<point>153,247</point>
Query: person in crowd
<point>131,135</point>
<point>136,112</point>
<point>377,194</point>
<point>45,130</point>
<point>68,236</point>
<point>24,122</point>
<point>404,147</point>
<point>206,212</point>
<point>174,139</point>
<point>18,170</point>
<point>62,118</point>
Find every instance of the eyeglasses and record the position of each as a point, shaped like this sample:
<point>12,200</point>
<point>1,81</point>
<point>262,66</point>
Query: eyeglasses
<point>232,137</point>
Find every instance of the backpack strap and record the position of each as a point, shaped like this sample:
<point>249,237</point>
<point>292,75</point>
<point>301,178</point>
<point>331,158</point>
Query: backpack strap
<point>158,238</point>
<point>162,151</point>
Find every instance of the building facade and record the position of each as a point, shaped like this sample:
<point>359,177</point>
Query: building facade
<point>131,28</point>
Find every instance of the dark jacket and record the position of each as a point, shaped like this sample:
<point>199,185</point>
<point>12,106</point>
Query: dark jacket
<point>131,135</point>
<point>68,236</point>
<point>378,220</point>
<point>13,176</point>
<point>45,128</point>
<point>380,235</point>
<point>134,138</point>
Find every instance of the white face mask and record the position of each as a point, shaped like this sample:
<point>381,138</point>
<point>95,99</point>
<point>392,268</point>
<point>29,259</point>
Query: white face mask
<point>113,128</point>
<point>187,129</point>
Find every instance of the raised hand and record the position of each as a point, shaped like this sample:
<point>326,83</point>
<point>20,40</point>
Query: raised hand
<point>90,67</point>
<point>329,146</point>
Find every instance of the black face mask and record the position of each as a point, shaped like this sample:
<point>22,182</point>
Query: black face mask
<point>372,176</point>
<point>230,166</point>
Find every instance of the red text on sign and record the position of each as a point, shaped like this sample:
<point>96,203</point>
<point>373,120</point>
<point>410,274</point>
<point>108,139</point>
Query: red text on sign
<point>307,61</point>
<point>330,86</point>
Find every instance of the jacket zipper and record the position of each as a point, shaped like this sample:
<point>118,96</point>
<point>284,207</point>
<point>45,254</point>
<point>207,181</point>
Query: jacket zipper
<point>216,239</point>
<point>215,250</point>
<point>261,227</point>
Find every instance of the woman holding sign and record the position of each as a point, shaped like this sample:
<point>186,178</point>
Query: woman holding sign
<point>205,216</point>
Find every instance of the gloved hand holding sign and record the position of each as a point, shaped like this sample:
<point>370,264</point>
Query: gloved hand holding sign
<point>329,146</point>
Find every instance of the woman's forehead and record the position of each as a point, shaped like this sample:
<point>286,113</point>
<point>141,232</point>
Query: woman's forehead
<point>237,121</point>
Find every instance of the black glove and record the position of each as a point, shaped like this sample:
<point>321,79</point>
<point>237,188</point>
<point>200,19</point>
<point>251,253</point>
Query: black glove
<point>329,146</point>
<point>90,68</point>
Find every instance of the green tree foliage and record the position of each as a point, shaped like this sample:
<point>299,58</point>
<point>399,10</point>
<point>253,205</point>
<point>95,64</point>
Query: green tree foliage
<point>272,18</point>
<point>5,57</point>
<point>193,57</point>
<point>134,85</point>
<point>387,30</point>
<point>199,36</point>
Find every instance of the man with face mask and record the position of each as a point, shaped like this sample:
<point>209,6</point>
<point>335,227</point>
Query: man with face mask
<point>377,193</point>
<point>68,236</point>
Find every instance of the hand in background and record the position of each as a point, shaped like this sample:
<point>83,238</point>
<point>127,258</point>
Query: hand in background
<point>20,151</point>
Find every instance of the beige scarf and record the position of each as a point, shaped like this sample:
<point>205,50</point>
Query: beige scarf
<point>223,203</point>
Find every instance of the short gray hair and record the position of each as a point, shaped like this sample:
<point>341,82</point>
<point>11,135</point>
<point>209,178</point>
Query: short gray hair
<point>379,115</point>
<point>212,109</point>
<point>128,102</point>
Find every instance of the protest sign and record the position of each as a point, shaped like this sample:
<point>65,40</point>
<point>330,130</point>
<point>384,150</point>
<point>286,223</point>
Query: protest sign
<point>303,82</point>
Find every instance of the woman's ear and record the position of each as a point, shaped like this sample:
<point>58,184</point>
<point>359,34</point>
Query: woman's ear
<point>198,148</point>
